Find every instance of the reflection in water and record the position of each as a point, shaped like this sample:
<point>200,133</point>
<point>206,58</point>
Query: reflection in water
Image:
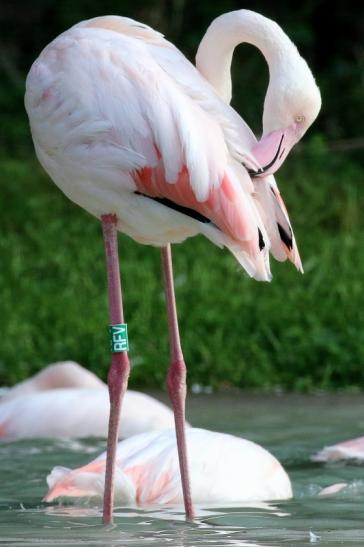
<point>292,427</point>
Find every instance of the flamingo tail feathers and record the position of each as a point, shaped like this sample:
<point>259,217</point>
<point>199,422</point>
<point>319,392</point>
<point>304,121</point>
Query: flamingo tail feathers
<point>276,221</point>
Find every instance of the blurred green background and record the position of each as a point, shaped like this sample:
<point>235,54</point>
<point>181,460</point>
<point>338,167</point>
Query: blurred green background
<point>298,332</point>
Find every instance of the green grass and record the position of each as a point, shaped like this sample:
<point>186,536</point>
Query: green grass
<point>299,332</point>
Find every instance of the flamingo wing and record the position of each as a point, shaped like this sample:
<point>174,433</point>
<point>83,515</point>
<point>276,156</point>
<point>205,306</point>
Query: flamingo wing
<point>106,117</point>
<point>117,95</point>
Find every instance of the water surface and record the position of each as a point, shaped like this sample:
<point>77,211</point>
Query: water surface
<point>292,427</point>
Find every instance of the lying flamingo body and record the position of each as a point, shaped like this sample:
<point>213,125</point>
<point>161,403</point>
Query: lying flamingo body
<point>77,413</point>
<point>63,374</point>
<point>65,400</point>
<point>224,469</point>
<point>352,449</point>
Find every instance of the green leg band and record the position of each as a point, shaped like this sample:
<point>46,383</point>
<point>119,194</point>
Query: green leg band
<point>119,338</point>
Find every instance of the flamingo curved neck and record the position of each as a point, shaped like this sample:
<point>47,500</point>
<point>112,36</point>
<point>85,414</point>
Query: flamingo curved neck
<point>214,55</point>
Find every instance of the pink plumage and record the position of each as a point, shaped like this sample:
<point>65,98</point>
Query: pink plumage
<point>223,469</point>
<point>352,449</point>
<point>65,400</point>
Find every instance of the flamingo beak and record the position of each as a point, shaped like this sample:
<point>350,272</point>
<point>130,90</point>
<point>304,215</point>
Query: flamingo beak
<point>272,150</point>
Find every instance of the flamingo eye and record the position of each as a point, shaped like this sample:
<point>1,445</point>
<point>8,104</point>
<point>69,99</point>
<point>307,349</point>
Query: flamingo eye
<point>299,119</point>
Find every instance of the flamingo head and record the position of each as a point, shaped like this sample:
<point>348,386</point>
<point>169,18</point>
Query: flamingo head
<point>292,103</point>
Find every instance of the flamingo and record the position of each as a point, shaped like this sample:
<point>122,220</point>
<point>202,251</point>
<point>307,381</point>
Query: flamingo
<point>147,471</point>
<point>64,400</point>
<point>133,133</point>
<point>352,449</point>
<point>65,374</point>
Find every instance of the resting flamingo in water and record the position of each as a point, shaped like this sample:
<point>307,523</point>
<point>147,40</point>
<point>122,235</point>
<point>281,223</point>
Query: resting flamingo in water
<point>133,133</point>
<point>352,449</point>
<point>223,469</point>
<point>64,400</point>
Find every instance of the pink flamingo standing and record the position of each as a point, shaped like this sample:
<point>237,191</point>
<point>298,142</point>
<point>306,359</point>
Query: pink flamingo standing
<point>133,133</point>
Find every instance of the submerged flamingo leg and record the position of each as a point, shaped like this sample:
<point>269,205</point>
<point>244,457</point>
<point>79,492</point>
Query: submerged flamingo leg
<point>176,378</point>
<point>119,370</point>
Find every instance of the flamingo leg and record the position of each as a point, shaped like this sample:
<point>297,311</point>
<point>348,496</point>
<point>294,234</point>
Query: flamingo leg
<point>119,370</point>
<point>176,378</point>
